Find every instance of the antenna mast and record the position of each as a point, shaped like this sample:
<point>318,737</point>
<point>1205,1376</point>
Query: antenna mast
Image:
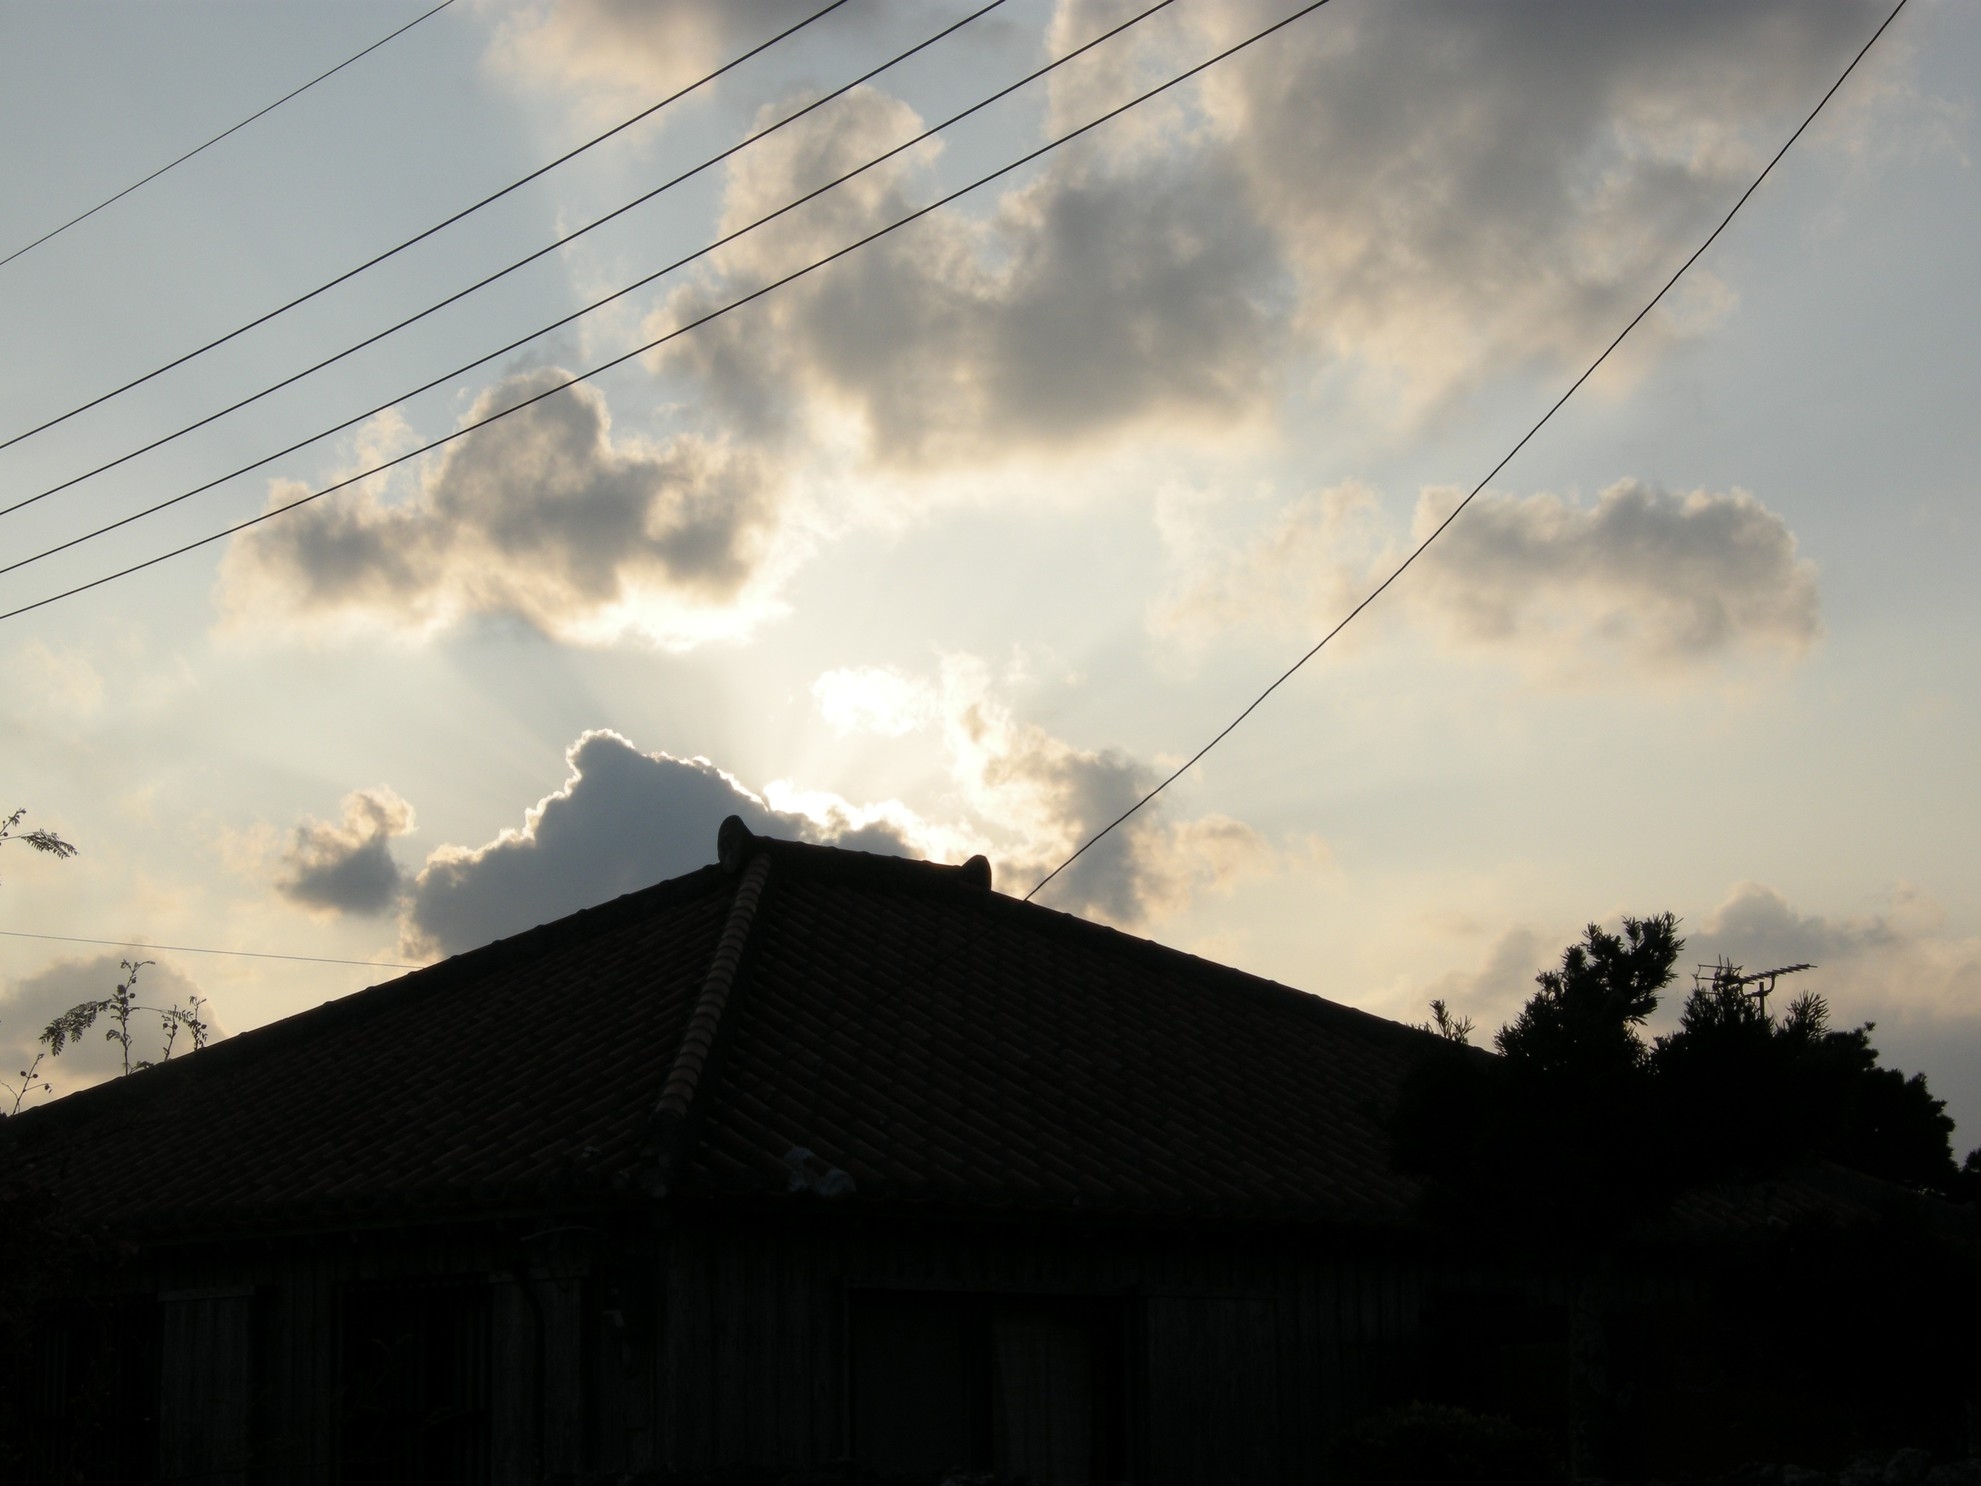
<point>1725,974</point>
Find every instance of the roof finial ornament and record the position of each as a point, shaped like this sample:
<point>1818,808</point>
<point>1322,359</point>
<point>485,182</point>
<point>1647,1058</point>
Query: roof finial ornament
<point>733,841</point>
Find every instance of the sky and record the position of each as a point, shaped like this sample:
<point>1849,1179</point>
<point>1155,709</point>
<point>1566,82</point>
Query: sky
<point>961,541</point>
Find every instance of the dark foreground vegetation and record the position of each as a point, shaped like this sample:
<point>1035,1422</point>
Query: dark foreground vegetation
<point>1603,1155</point>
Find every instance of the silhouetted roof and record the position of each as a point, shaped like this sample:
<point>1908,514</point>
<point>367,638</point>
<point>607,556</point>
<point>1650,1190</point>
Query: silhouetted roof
<point>799,1020</point>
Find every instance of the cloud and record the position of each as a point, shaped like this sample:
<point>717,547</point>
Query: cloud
<point>347,866</point>
<point>62,680</point>
<point>1416,196</point>
<point>1036,799</point>
<point>1390,204</point>
<point>1666,577</point>
<point>1668,581</point>
<point>614,56</point>
<point>543,517</point>
<point>620,46</point>
<point>1089,301</point>
<point>623,820</point>
<point>1493,994</point>
<point>1311,564</point>
<point>33,1001</point>
<point>1459,186</point>
<point>1755,926</point>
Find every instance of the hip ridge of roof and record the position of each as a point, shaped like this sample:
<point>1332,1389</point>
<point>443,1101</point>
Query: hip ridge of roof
<point>700,1039</point>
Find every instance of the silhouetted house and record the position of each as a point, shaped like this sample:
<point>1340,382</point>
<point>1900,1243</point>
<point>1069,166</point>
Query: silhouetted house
<point>805,1156</point>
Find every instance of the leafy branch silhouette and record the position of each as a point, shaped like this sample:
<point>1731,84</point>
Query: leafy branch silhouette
<point>46,841</point>
<point>55,846</point>
<point>120,1006</point>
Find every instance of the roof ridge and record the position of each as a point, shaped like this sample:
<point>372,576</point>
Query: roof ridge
<point>736,844</point>
<point>679,1095</point>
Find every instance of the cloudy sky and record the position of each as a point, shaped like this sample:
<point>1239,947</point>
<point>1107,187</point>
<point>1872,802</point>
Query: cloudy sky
<point>959,542</point>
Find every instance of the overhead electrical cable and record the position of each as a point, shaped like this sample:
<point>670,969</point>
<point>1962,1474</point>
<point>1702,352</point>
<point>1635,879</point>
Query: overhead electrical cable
<point>639,283</point>
<point>234,129</point>
<point>683,329</point>
<point>523,262</point>
<point>941,957</point>
<point>196,949</point>
<point>1540,423</point>
<point>419,237</point>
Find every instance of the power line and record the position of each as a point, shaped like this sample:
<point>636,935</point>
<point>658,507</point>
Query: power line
<point>420,237</point>
<point>234,129</point>
<point>195,949</point>
<point>1555,407</point>
<point>523,262</point>
<point>658,341</point>
<point>639,283</point>
<point>938,958</point>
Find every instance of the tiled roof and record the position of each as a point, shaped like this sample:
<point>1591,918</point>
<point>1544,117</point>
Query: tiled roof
<point>799,1019</point>
<point>957,1045</point>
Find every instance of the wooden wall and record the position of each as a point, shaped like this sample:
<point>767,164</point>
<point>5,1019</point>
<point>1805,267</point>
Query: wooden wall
<point>1245,1354</point>
<point>715,1339</point>
<point>250,1340</point>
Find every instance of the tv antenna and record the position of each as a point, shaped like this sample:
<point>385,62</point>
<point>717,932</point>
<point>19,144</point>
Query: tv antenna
<point>1727,975</point>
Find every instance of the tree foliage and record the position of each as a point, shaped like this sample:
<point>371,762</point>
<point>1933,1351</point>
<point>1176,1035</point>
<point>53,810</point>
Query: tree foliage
<point>42,841</point>
<point>118,1008</point>
<point>1582,1131</point>
<point>115,1010</point>
<point>1448,1024</point>
<point>1554,1141</point>
<point>1581,1127</point>
<point>1747,1093</point>
<point>28,1080</point>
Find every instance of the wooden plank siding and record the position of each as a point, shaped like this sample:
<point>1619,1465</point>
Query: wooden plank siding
<point>1210,1368</point>
<point>720,1338</point>
<point>208,1387</point>
<point>1255,1350</point>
